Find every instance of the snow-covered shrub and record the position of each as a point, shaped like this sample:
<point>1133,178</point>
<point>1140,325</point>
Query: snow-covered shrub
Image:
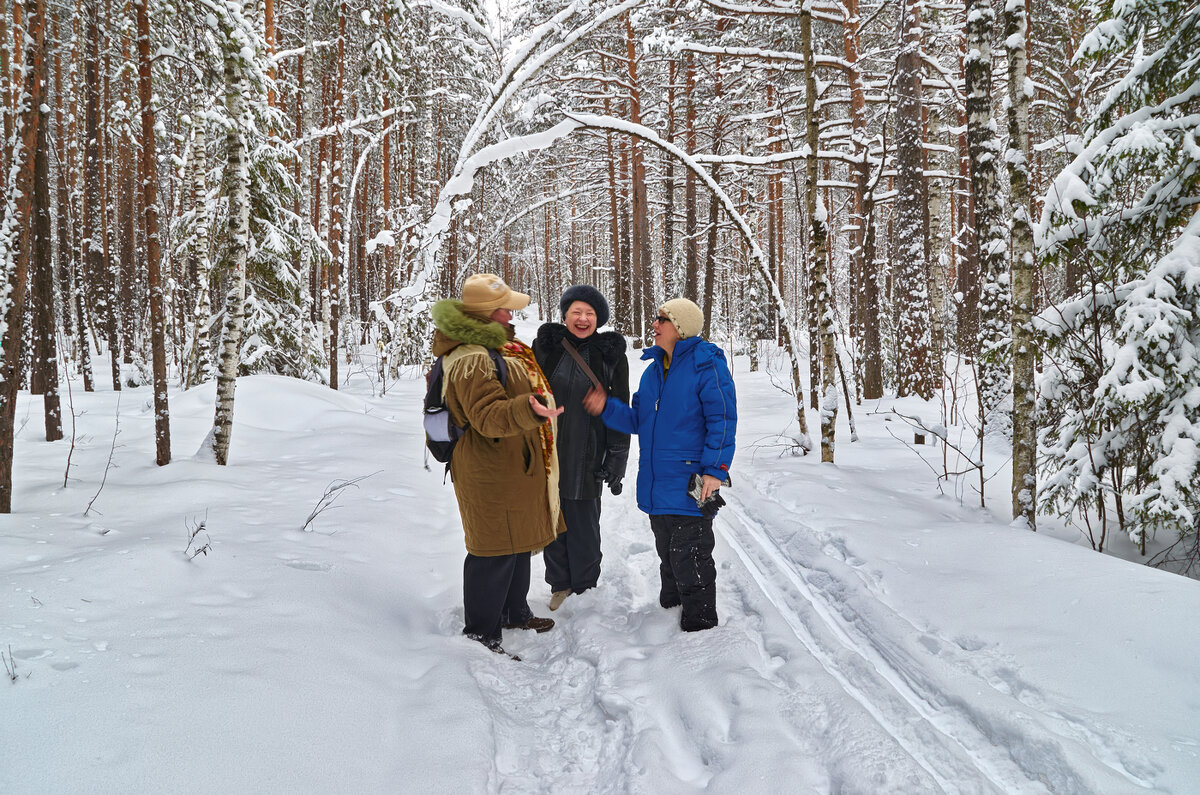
<point>1120,394</point>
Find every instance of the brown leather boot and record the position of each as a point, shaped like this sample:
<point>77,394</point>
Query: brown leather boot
<point>538,625</point>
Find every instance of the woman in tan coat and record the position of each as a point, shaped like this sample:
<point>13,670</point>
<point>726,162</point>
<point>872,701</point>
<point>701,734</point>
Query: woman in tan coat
<point>505,467</point>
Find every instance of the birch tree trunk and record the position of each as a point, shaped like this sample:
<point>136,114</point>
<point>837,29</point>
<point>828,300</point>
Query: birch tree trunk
<point>1024,352</point>
<point>200,363</point>
<point>149,174</point>
<point>236,185</point>
<point>822,295</point>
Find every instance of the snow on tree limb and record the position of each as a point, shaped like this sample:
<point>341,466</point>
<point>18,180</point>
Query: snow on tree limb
<point>521,67</point>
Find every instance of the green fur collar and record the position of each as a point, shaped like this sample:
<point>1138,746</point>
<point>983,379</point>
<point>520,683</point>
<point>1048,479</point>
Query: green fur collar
<point>451,320</point>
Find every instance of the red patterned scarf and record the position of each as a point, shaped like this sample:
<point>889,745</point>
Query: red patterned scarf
<point>515,349</point>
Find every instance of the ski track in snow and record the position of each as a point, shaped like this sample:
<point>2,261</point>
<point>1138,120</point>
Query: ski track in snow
<point>573,692</point>
<point>899,672</point>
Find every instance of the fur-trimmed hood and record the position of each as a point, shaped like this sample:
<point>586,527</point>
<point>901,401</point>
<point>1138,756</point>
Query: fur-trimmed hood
<point>609,344</point>
<point>455,326</point>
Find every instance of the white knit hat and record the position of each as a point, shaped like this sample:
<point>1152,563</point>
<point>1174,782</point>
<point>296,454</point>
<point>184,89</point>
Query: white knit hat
<point>687,317</point>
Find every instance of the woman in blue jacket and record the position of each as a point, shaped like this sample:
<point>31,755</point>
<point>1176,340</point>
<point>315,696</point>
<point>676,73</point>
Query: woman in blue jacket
<point>685,415</point>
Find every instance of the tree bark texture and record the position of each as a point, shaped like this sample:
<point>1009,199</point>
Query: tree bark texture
<point>149,175</point>
<point>819,283</point>
<point>913,371</point>
<point>236,185</point>
<point>1024,270</point>
<point>16,236</point>
<point>984,146</point>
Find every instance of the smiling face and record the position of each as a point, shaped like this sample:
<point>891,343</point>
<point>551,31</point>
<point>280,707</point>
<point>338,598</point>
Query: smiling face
<point>580,319</point>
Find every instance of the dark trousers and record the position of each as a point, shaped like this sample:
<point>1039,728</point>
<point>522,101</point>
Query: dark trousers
<point>494,594</point>
<point>689,575</point>
<point>573,559</point>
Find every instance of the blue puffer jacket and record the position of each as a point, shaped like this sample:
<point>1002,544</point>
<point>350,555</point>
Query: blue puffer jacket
<point>685,423</point>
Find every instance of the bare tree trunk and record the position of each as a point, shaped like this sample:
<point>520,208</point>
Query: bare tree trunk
<point>1024,269</point>
<point>624,273</point>
<point>690,232</point>
<point>862,247</point>
<point>995,310</point>
<point>126,195</point>
<point>912,288</point>
<point>672,280</point>
<point>967,272</point>
<point>385,159</point>
<point>95,271</point>
<point>643,286</point>
<point>936,256</point>
<point>304,101</point>
<point>269,36</point>
<point>67,232</point>
<point>774,229</point>
<point>710,257</point>
<point>158,332</point>
<point>45,352</point>
<point>200,363</point>
<point>236,185</point>
<point>336,197</point>
<point>8,84</point>
<point>110,266</point>
<point>15,240</point>
<point>620,317</point>
<point>819,282</point>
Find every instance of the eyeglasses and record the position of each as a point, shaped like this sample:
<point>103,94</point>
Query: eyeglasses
<point>661,319</point>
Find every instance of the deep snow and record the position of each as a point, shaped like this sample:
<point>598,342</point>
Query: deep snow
<point>876,635</point>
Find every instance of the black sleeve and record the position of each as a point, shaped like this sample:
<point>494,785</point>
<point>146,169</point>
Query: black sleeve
<point>616,447</point>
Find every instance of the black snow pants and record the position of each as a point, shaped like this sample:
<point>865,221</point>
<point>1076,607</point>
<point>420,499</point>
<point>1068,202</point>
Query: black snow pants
<point>573,559</point>
<point>495,593</point>
<point>689,575</point>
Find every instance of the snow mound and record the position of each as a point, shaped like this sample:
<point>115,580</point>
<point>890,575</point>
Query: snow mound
<point>273,403</point>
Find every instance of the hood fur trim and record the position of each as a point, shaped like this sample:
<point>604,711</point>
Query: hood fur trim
<point>610,344</point>
<point>451,320</point>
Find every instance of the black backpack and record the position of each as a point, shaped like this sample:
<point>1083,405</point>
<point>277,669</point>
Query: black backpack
<point>441,433</point>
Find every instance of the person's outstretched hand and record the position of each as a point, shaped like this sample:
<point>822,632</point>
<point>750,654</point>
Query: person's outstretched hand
<point>594,400</point>
<point>710,486</point>
<point>543,411</point>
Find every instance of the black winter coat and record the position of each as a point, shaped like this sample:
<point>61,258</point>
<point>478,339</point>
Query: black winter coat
<point>589,454</point>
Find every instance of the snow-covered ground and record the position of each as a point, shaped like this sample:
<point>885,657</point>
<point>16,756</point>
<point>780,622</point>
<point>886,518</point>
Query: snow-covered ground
<point>876,635</point>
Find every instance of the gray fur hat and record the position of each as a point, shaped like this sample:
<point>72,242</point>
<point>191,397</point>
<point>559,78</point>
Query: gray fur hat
<point>589,295</point>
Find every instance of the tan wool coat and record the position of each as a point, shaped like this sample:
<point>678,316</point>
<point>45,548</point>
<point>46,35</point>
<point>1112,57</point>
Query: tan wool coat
<point>499,471</point>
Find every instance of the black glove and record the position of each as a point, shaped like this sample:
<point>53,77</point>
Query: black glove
<point>613,481</point>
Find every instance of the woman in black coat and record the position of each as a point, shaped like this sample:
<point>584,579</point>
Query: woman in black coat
<point>589,454</point>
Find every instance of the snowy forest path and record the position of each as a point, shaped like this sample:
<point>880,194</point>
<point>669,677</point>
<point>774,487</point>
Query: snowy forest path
<point>968,738</point>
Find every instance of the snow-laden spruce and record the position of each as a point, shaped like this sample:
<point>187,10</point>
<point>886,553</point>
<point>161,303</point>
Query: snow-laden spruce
<point>1120,396</point>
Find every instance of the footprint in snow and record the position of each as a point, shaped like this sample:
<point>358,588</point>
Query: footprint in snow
<point>307,565</point>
